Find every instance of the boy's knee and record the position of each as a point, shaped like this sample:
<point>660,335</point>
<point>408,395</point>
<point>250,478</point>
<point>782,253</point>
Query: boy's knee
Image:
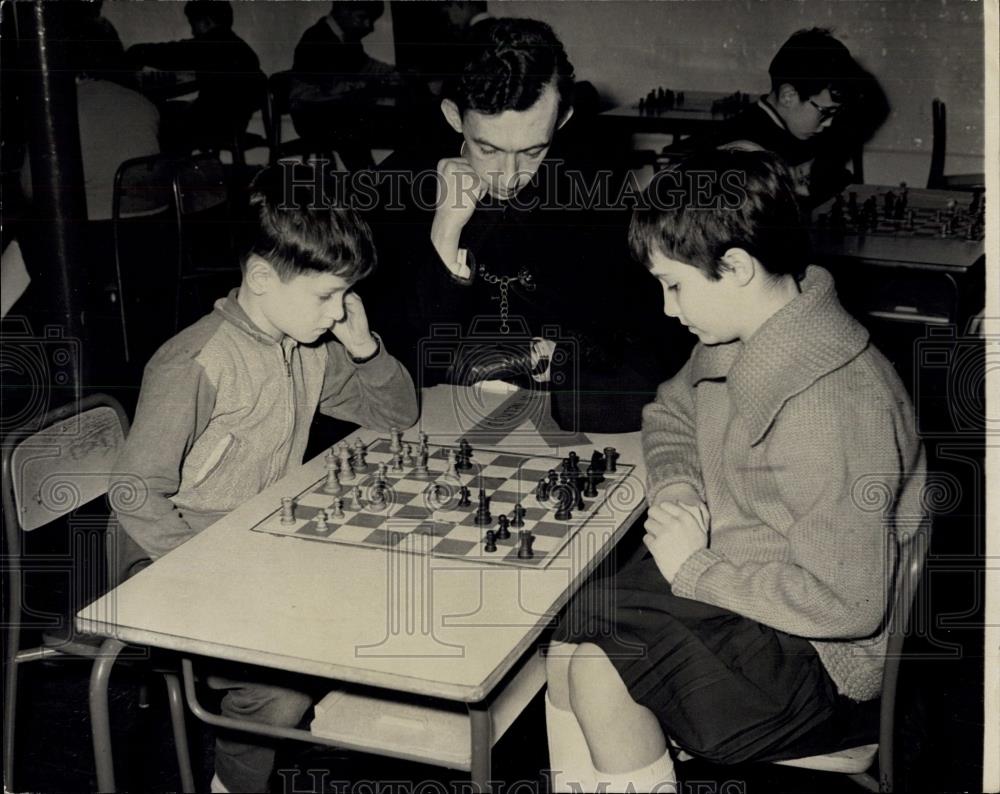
<point>268,704</point>
<point>557,672</point>
<point>595,687</point>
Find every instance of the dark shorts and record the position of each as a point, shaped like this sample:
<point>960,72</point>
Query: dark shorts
<point>723,687</point>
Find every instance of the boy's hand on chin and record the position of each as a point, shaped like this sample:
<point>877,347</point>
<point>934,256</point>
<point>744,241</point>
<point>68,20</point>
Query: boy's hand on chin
<point>674,532</point>
<point>353,331</point>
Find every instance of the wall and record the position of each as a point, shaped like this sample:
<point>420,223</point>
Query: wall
<point>919,49</point>
<point>271,28</point>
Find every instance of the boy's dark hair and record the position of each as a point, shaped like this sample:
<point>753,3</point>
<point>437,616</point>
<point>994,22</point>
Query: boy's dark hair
<point>300,233</point>
<point>219,12</point>
<point>508,65</point>
<point>721,199</point>
<point>812,60</point>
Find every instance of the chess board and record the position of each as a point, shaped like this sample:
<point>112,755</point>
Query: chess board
<point>413,520</point>
<point>931,218</point>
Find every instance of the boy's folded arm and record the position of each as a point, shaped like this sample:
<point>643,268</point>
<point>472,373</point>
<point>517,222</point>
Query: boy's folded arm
<point>378,393</point>
<point>669,444</point>
<point>175,405</point>
<point>835,581</point>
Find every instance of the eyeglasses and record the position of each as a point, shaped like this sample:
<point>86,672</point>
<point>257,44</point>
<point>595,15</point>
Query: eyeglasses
<point>826,111</point>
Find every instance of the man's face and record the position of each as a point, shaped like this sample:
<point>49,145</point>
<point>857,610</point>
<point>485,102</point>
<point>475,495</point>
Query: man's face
<point>808,117</point>
<point>356,23</point>
<point>304,307</point>
<point>506,149</point>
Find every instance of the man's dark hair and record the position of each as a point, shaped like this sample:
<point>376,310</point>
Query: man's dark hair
<point>374,8</point>
<point>509,64</point>
<point>300,233</point>
<point>722,199</point>
<point>812,60</point>
<point>219,12</point>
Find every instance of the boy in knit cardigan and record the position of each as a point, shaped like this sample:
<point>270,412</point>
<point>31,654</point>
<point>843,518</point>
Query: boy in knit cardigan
<point>754,623</point>
<point>225,410</point>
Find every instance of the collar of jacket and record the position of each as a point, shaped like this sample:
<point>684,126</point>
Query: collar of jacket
<point>230,309</point>
<point>806,339</point>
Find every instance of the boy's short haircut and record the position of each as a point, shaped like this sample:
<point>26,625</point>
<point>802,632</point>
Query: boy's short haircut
<point>300,233</point>
<point>813,60</point>
<point>508,65</point>
<point>721,199</point>
<point>219,12</point>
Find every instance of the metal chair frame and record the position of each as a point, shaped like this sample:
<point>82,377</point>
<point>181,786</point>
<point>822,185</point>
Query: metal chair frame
<point>912,559</point>
<point>23,512</point>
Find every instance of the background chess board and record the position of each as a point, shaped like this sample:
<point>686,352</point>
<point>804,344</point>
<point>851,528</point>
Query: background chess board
<point>413,521</point>
<point>929,212</point>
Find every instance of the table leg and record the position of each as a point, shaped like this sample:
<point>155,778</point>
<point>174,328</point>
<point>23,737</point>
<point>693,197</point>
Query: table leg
<point>100,721</point>
<point>482,745</point>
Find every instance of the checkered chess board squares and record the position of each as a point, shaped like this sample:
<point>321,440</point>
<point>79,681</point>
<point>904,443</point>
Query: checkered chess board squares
<point>421,515</point>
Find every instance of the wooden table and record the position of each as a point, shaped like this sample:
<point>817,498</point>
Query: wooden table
<point>460,632</point>
<point>906,278</point>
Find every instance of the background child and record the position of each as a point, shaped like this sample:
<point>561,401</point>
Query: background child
<point>755,622</point>
<point>226,405</point>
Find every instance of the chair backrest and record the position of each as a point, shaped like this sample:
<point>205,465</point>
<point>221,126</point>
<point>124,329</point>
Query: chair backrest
<point>279,86</point>
<point>61,464</point>
<point>143,186</point>
<point>199,185</point>
<point>145,232</point>
<point>909,571</point>
<point>939,138</point>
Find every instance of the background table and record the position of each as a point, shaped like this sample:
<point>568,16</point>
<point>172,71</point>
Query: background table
<point>698,113</point>
<point>452,630</point>
<point>905,278</point>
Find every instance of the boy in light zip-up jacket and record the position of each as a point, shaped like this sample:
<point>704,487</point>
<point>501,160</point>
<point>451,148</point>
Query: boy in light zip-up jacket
<point>226,405</point>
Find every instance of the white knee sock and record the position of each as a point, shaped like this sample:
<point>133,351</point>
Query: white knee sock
<point>216,786</point>
<point>569,755</point>
<point>658,777</point>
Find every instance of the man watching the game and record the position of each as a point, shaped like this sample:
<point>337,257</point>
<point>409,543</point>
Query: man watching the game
<point>499,244</point>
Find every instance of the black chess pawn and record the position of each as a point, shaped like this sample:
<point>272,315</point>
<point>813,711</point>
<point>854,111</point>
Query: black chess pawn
<point>590,483</point>
<point>574,462</point>
<point>524,542</point>
<point>491,542</point>
<point>517,516</point>
<point>464,496</point>
<point>542,490</point>
<point>553,478</point>
<point>503,532</point>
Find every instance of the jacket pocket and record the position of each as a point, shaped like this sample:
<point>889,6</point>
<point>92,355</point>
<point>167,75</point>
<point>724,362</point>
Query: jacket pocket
<point>223,452</point>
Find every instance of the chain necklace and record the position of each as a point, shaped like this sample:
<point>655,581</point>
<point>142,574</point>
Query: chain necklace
<point>523,277</point>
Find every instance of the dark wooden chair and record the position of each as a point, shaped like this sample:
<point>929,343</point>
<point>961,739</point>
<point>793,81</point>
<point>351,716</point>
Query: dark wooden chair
<point>936,178</point>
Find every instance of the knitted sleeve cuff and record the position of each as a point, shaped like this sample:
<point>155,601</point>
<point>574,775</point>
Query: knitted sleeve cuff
<point>686,580</point>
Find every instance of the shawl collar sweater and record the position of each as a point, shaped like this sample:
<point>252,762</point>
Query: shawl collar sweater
<point>802,443</point>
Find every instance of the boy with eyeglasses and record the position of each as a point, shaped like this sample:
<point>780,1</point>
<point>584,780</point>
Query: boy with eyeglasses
<point>821,106</point>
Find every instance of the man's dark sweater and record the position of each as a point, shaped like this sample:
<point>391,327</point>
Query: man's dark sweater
<point>569,275</point>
